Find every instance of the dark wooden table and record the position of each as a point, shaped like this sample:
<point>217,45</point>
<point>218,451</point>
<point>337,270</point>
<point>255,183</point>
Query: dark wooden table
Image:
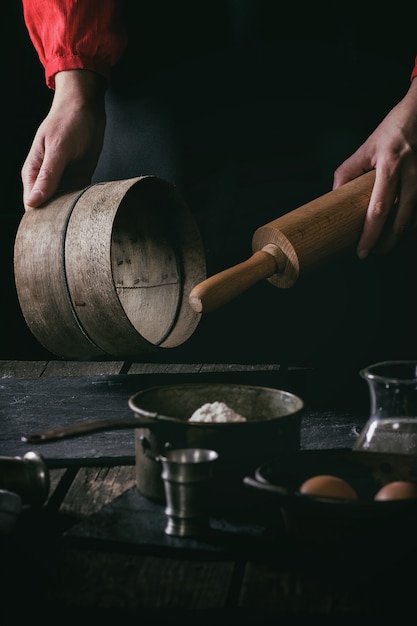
<point>97,547</point>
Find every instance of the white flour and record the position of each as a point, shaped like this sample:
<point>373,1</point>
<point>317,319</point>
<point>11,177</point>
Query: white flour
<point>216,412</point>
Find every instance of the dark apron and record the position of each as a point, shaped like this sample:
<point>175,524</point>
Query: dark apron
<point>249,113</point>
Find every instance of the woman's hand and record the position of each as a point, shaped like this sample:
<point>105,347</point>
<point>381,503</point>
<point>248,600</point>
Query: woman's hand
<point>68,143</point>
<point>392,151</point>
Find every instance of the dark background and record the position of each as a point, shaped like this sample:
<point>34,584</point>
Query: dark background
<point>25,101</point>
<point>266,104</point>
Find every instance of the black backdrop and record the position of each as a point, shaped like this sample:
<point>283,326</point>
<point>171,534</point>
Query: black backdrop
<point>221,73</point>
<point>25,100</point>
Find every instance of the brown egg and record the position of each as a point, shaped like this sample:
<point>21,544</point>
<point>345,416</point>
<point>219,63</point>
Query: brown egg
<point>328,486</point>
<point>397,490</point>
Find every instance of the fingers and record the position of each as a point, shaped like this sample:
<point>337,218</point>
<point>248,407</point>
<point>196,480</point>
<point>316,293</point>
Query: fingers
<point>405,213</point>
<point>40,180</point>
<point>391,212</point>
<point>349,170</point>
<point>381,203</point>
<point>393,202</point>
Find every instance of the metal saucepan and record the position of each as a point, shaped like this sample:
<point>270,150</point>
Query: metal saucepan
<point>160,418</point>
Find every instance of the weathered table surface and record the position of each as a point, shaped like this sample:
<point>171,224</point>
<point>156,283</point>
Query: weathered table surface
<point>98,547</point>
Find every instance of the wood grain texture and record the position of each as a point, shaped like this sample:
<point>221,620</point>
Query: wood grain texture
<point>40,276</point>
<point>93,487</point>
<point>319,231</point>
<point>97,547</point>
<point>296,243</point>
<point>136,582</point>
<point>22,369</point>
<point>106,271</point>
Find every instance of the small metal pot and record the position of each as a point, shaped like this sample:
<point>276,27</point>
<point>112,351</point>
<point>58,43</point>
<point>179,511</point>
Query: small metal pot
<point>272,427</point>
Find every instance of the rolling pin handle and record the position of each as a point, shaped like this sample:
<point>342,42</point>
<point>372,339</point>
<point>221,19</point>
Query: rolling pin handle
<point>226,285</point>
<point>314,233</point>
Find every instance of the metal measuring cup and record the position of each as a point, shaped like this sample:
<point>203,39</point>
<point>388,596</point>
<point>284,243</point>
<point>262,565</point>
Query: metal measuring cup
<point>186,473</point>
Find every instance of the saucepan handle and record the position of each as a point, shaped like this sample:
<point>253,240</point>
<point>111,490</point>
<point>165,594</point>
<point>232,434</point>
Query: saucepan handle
<point>252,482</point>
<point>94,426</point>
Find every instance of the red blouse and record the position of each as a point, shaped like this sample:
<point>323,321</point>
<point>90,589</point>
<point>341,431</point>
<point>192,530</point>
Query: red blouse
<point>80,34</point>
<point>76,34</point>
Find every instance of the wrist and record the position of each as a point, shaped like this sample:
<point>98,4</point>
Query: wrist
<point>413,85</point>
<point>80,87</point>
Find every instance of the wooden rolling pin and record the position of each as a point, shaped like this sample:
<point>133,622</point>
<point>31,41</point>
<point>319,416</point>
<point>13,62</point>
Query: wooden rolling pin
<point>293,244</point>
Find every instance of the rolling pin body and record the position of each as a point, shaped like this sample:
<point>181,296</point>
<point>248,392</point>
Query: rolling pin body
<point>295,243</point>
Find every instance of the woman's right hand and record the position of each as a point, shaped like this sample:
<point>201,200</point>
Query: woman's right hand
<point>67,145</point>
<point>392,151</point>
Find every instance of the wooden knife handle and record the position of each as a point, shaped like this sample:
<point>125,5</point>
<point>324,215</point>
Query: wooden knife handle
<point>297,242</point>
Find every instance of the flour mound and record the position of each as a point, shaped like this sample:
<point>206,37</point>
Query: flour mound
<point>216,412</point>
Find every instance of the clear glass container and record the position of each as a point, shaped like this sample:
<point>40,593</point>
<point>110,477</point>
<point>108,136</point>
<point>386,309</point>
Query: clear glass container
<point>392,423</point>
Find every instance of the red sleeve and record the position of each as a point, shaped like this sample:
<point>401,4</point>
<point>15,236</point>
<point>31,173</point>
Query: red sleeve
<point>414,72</point>
<point>76,34</point>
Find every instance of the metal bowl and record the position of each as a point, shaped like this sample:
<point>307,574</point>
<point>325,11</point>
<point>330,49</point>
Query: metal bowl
<point>316,518</point>
<point>272,428</point>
